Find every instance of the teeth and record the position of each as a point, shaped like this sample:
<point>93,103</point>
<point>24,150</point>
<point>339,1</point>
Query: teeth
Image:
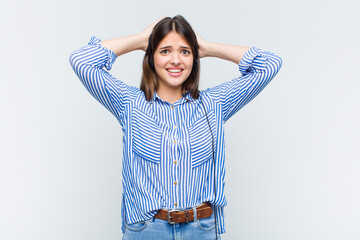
<point>174,70</point>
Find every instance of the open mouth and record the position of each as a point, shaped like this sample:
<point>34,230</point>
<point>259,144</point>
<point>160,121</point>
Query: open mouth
<point>174,70</point>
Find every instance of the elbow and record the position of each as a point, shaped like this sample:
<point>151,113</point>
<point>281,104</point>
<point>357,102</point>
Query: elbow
<point>72,59</point>
<point>75,61</point>
<point>279,62</point>
<point>275,64</point>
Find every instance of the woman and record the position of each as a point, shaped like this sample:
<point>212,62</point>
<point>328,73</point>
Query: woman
<point>173,156</point>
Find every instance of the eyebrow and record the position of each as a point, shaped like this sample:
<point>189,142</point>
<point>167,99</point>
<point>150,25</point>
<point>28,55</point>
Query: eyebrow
<point>171,47</point>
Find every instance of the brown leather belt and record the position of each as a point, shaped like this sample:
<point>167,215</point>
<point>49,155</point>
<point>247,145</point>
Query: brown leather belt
<point>202,211</point>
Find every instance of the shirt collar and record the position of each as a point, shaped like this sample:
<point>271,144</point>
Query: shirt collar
<point>156,96</point>
<point>186,97</point>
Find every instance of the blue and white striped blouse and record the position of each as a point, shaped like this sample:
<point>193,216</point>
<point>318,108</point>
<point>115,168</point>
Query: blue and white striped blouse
<point>167,155</point>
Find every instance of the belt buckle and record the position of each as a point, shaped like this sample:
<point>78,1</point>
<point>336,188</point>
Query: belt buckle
<point>187,216</point>
<point>169,217</point>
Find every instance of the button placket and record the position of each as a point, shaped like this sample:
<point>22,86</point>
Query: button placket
<point>175,167</point>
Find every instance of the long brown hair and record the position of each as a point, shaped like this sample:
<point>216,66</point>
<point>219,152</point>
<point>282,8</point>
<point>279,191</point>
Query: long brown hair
<point>149,82</point>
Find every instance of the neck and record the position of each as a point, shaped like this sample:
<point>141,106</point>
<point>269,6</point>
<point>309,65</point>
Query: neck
<point>169,94</point>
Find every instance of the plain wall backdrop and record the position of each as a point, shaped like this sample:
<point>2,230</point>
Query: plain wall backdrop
<point>292,153</point>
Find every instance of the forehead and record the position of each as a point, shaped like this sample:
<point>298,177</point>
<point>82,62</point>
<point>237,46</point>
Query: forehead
<point>173,39</point>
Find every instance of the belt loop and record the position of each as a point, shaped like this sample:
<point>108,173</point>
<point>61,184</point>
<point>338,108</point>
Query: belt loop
<point>195,214</point>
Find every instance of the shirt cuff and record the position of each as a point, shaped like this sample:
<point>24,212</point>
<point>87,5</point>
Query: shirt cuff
<point>111,56</point>
<point>252,60</point>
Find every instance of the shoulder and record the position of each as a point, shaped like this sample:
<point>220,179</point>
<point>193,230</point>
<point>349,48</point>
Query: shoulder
<point>206,99</point>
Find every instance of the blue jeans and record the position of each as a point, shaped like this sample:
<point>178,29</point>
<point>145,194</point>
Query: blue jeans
<point>158,229</point>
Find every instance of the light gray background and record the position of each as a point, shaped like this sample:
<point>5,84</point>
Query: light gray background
<point>292,153</point>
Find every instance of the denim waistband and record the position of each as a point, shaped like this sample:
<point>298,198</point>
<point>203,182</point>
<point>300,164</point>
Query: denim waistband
<point>182,209</point>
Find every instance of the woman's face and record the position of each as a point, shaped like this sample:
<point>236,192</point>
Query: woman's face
<point>173,60</point>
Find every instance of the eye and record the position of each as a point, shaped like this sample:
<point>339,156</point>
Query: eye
<point>165,51</point>
<point>185,52</point>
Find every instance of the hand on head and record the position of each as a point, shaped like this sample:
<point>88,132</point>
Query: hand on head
<point>146,33</point>
<point>202,45</point>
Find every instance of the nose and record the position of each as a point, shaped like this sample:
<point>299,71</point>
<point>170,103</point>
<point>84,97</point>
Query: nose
<point>175,59</point>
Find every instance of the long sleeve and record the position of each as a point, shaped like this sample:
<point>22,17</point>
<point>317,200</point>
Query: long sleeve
<point>88,63</point>
<point>258,68</point>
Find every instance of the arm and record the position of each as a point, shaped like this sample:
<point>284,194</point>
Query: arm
<point>88,64</point>
<point>89,61</point>
<point>124,45</point>
<point>257,67</point>
<point>227,52</point>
